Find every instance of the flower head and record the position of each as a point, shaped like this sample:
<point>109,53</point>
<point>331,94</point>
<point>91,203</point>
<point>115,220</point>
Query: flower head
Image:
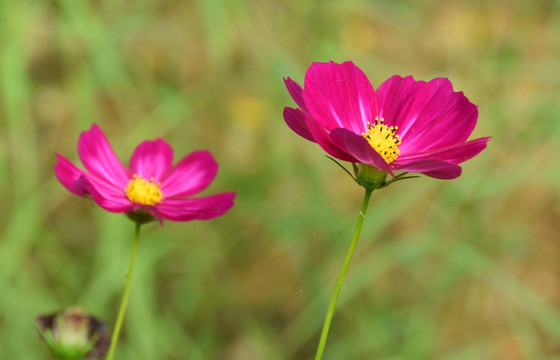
<point>406,125</point>
<point>151,187</point>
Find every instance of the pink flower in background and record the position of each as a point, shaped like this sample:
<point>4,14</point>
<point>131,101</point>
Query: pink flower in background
<point>151,185</point>
<point>406,125</point>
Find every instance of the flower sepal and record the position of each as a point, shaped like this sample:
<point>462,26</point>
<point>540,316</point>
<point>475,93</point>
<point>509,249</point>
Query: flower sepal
<point>398,178</point>
<point>140,216</point>
<point>369,177</point>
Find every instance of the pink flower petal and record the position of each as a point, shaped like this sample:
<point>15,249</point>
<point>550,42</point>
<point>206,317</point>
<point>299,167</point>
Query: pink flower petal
<point>359,148</point>
<point>434,168</point>
<point>202,208</point>
<point>339,96</point>
<point>324,140</point>
<point>70,176</point>
<point>454,154</point>
<point>151,159</point>
<point>429,115</point>
<point>295,119</point>
<point>296,92</point>
<point>108,196</point>
<point>191,175</point>
<point>99,159</point>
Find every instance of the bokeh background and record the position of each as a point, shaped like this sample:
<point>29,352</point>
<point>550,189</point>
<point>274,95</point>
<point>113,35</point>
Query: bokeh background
<point>462,269</point>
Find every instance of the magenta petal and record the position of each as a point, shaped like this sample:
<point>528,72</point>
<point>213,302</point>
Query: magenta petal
<point>429,114</point>
<point>202,208</point>
<point>155,213</point>
<point>191,175</point>
<point>339,96</point>
<point>324,140</point>
<point>98,157</point>
<point>151,159</point>
<point>296,92</point>
<point>70,176</point>
<point>434,168</point>
<point>108,196</point>
<point>359,148</point>
<point>453,154</point>
<point>295,119</point>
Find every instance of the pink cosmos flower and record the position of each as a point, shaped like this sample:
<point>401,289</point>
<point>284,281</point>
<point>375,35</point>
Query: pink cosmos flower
<point>406,125</point>
<point>151,186</point>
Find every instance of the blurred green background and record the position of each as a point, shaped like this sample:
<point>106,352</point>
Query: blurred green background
<point>462,269</point>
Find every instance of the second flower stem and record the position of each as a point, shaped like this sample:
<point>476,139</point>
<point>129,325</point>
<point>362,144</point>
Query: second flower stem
<point>341,275</point>
<point>124,301</point>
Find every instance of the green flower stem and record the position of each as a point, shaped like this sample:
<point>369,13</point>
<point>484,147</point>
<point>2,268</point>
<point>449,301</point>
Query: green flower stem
<point>340,280</point>
<point>124,301</point>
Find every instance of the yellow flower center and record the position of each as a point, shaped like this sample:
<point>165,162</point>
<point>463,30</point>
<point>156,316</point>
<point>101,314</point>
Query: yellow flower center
<point>383,139</point>
<point>142,191</point>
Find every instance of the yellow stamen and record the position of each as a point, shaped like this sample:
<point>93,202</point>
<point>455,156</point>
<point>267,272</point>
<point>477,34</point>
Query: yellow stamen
<point>142,191</point>
<point>383,139</point>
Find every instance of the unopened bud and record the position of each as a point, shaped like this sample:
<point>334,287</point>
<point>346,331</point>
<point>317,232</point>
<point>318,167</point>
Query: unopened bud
<point>73,334</point>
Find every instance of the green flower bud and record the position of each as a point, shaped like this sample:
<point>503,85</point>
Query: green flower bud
<point>140,216</point>
<point>72,334</point>
<point>368,176</point>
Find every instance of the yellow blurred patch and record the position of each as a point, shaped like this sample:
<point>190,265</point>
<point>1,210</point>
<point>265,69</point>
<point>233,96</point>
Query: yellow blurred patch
<point>247,112</point>
<point>358,35</point>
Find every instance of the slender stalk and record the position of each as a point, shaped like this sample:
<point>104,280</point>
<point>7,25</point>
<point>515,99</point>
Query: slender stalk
<point>124,301</point>
<point>341,275</point>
